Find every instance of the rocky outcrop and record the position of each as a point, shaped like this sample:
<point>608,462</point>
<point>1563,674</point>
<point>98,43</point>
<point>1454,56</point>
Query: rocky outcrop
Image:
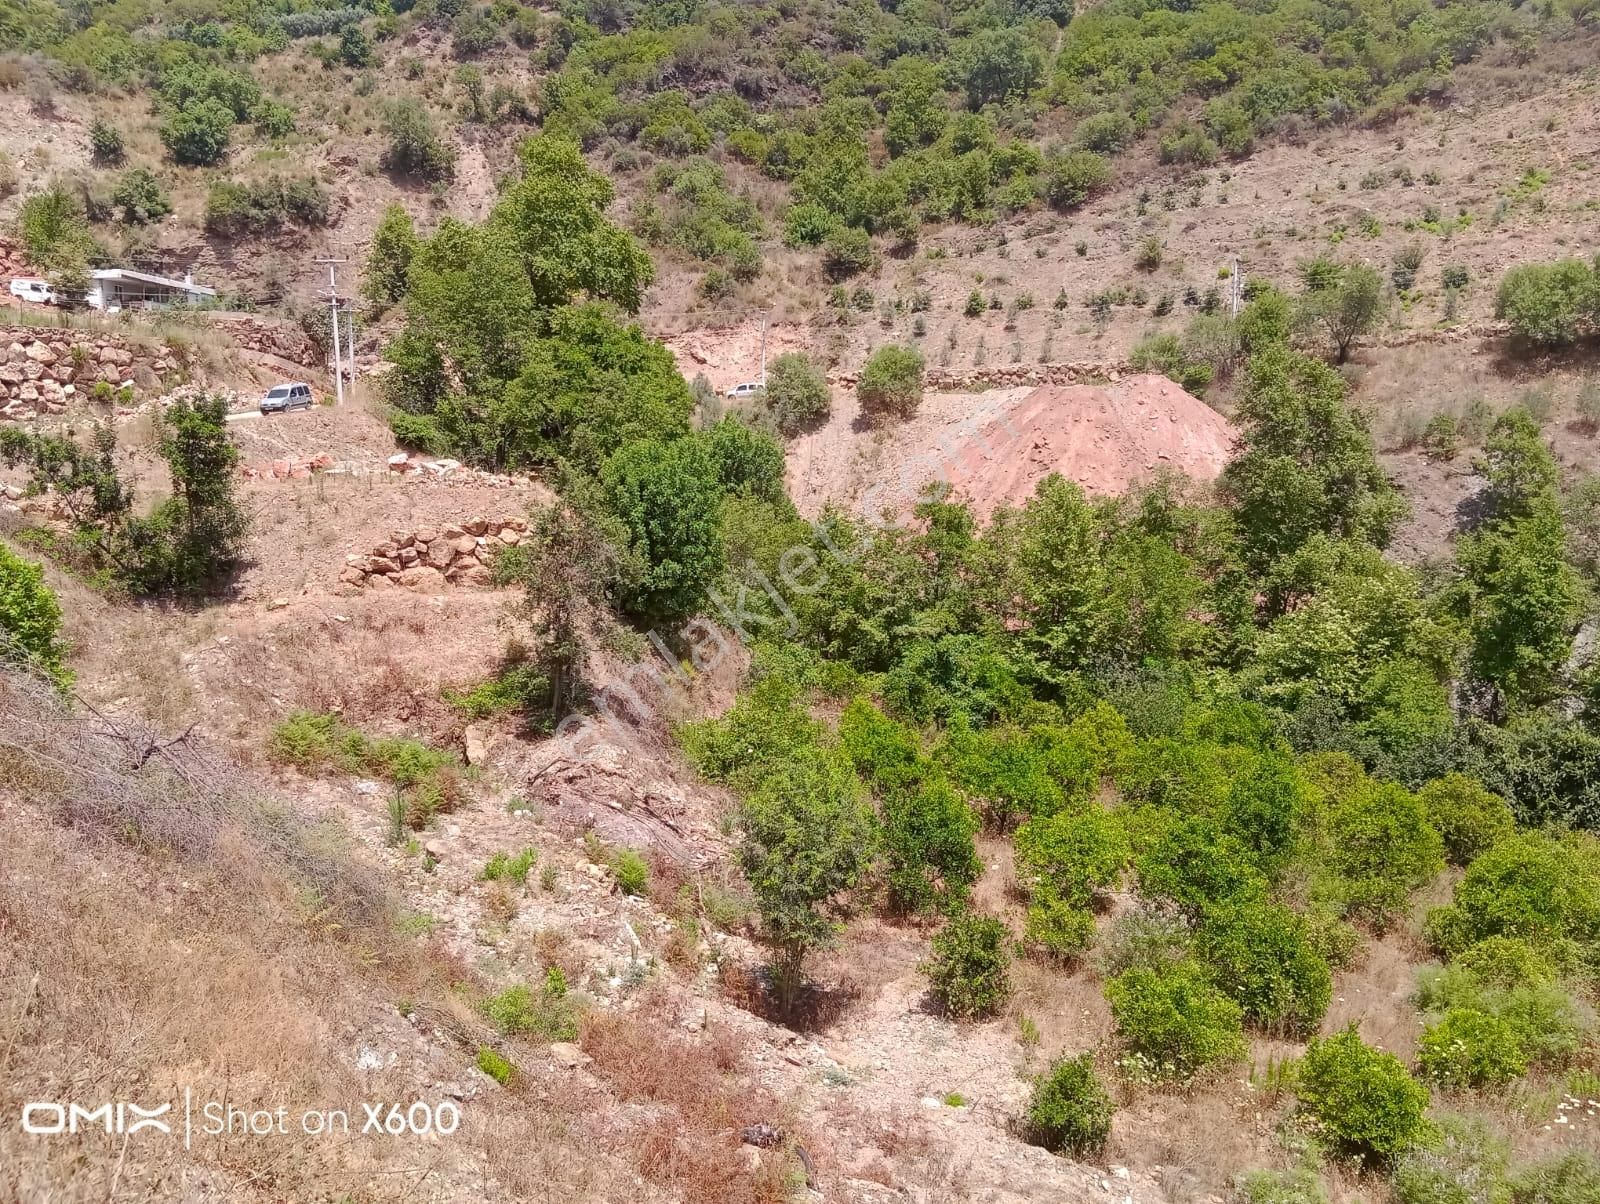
<point>274,336</point>
<point>431,559</point>
<point>43,370</point>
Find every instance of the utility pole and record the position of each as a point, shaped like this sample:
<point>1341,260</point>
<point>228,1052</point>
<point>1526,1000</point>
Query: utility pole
<point>333,314</point>
<point>1238,286</point>
<point>764,314</point>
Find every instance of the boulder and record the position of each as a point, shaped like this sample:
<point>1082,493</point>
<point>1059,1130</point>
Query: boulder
<point>381,564</point>
<point>426,535</point>
<point>421,578</point>
<point>472,573</point>
<point>387,550</point>
<point>452,531</point>
<point>465,545</point>
<point>350,575</point>
<point>475,526</point>
<point>476,739</point>
<point>379,582</point>
<point>407,557</point>
<point>565,1053</point>
<point>39,353</point>
<point>440,553</point>
<point>509,537</point>
<point>400,462</point>
<point>401,539</point>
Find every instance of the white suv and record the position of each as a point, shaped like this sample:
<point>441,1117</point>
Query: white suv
<point>749,389</point>
<point>33,290</point>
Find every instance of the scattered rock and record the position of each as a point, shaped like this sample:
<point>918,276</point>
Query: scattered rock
<point>564,1053</point>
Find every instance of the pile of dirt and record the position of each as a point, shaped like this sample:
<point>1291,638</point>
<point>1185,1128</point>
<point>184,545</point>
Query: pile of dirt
<point>1105,438</point>
<point>993,448</point>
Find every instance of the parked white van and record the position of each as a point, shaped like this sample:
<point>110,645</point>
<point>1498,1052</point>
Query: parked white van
<point>33,290</point>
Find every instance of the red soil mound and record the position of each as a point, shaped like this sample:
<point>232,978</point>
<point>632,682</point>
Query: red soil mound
<point>1104,438</point>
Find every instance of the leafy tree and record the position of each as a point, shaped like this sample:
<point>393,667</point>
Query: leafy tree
<point>1542,888</point>
<point>1520,474</point>
<point>1069,1112</point>
<point>1361,1099</point>
<point>1072,856</point>
<point>196,538</point>
<point>1175,1020</point>
<point>1265,959</point>
<point>30,618</point>
<point>555,219</point>
<point>355,48</point>
<point>1346,307</point>
<point>749,463</point>
<point>105,142</point>
<point>1305,462</point>
<point>1197,866</point>
<point>141,197</point>
<point>891,382</point>
<point>570,565</point>
<point>669,497</point>
<point>928,831</point>
<point>415,148</point>
<point>796,392</point>
<point>967,972</point>
<point>915,113</point>
<point>196,133</point>
<point>808,837</point>
<point>998,64</point>
<point>394,242</point>
<point>1469,817</point>
<point>53,229</point>
<point>1548,302</point>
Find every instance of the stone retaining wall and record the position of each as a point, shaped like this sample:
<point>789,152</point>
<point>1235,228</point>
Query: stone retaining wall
<point>43,369</point>
<point>431,558</point>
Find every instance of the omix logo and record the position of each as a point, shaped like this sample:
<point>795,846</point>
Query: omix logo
<point>48,1118</point>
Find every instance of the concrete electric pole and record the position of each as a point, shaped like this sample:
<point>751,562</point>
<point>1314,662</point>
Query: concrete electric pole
<point>333,314</point>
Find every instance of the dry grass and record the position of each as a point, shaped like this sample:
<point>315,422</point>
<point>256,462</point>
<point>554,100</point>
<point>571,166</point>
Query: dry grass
<point>164,926</point>
<point>697,1098</point>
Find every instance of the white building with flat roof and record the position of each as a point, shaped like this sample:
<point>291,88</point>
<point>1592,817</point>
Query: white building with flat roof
<point>113,289</point>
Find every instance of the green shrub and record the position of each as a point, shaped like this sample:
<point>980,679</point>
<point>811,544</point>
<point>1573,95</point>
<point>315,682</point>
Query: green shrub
<point>509,867</point>
<point>1361,1100</point>
<point>1465,1164</point>
<point>1070,1112</point>
<point>235,208</point>
<point>1469,817</point>
<point>1469,1048</point>
<point>1383,848</point>
<point>30,618</point>
<point>968,970</point>
<point>1072,178</point>
<point>1174,1020</point>
<point>1506,962</point>
<point>928,831</point>
<point>1263,957</point>
<point>891,382</point>
<point>105,142</point>
<point>415,148</point>
<point>549,1014</point>
<point>54,229</point>
<point>1057,928</point>
<point>846,251</point>
<point>1548,302</point>
<point>141,197</point>
<point>495,1066</point>
<point>1572,1178</point>
<point>796,392</point>
<point>1071,856</point>
<point>1543,888</point>
<point>632,872</point>
<point>1282,1187</point>
<point>197,132</point>
<point>1196,865</point>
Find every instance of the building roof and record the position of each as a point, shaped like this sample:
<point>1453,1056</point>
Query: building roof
<point>185,285</point>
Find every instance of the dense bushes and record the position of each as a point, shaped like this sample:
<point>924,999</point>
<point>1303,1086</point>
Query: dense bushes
<point>1550,302</point>
<point>30,618</point>
<point>1070,1112</point>
<point>1361,1099</point>
<point>1173,1021</point>
<point>967,972</point>
<point>796,392</point>
<point>415,147</point>
<point>235,208</point>
<point>891,382</point>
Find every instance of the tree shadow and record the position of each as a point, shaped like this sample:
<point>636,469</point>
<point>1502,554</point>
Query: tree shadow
<point>816,1009</point>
